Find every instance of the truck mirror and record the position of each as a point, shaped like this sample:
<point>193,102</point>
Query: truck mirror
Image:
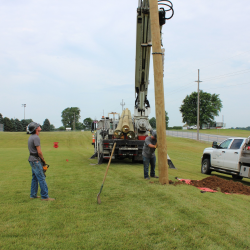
<point>214,145</point>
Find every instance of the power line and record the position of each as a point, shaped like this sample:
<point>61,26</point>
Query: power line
<point>177,90</point>
<point>227,86</point>
<point>228,75</point>
<point>230,85</point>
<point>227,58</point>
<point>212,79</point>
<point>218,62</point>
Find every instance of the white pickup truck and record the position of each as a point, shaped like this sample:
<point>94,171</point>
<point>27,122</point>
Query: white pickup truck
<point>232,156</point>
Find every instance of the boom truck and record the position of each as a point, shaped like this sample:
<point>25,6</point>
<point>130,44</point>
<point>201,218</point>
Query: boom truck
<point>129,132</point>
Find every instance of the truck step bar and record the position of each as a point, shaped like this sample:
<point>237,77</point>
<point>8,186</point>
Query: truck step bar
<point>224,171</point>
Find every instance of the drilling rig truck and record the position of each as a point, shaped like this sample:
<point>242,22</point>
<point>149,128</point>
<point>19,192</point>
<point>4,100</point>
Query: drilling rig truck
<point>129,132</point>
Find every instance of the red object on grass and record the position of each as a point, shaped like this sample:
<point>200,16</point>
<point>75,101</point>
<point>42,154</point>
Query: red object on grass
<point>55,145</point>
<point>67,160</point>
<point>187,181</point>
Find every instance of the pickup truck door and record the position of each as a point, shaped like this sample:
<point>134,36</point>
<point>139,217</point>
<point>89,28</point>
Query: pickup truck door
<point>232,155</point>
<point>218,154</point>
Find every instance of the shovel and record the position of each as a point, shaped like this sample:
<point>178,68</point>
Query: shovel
<point>98,196</point>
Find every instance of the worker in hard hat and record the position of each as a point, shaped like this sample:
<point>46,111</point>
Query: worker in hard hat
<point>148,155</point>
<point>37,162</point>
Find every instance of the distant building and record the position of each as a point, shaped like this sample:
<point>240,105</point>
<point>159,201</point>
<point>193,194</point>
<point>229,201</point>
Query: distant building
<point>205,126</point>
<point>214,125</point>
<point>185,127</point>
<point>1,128</point>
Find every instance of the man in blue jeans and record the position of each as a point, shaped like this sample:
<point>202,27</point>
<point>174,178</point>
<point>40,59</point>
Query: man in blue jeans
<point>35,160</point>
<point>148,155</point>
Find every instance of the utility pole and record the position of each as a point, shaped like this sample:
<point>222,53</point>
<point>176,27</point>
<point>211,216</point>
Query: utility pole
<point>122,104</point>
<point>24,106</point>
<point>74,127</point>
<point>159,93</point>
<point>198,105</point>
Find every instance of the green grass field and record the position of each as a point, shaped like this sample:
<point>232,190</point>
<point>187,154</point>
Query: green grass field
<point>134,213</point>
<point>226,132</point>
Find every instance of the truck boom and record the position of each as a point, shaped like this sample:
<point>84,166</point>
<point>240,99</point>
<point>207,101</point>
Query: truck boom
<point>109,130</point>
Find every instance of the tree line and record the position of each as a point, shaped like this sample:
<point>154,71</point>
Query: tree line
<point>15,125</point>
<point>210,105</point>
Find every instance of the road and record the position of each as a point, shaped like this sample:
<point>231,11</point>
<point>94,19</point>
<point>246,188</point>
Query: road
<point>193,135</point>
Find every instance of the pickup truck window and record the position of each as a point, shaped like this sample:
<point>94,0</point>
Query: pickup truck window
<point>236,144</point>
<point>225,144</point>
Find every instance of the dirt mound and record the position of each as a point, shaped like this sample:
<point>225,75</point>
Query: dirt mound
<point>224,186</point>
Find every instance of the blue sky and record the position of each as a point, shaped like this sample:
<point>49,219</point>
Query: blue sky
<point>58,54</point>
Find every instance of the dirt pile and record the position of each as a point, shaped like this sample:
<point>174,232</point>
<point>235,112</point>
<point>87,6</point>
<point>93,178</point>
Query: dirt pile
<point>224,186</point>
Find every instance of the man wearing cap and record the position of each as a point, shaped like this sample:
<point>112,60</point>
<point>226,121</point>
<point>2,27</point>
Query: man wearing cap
<point>148,155</point>
<point>35,160</point>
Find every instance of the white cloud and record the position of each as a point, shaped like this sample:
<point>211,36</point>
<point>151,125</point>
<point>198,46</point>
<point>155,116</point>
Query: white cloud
<point>57,54</point>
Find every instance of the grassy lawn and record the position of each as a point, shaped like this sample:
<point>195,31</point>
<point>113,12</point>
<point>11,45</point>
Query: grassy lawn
<point>225,132</point>
<point>134,213</point>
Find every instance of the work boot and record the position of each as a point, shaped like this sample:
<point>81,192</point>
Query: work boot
<point>48,199</point>
<point>34,197</point>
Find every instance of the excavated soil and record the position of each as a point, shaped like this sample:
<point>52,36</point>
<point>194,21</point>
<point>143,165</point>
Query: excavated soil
<point>219,184</point>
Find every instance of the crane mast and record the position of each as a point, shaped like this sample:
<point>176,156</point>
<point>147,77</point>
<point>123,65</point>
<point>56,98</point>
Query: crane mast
<point>142,62</point>
<point>129,133</point>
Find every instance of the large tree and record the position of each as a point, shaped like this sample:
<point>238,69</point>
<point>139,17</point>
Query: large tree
<point>25,123</point>
<point>87,123</point>
<point>14,127</point>
<point>210,105</point>
<point>18,125</point>
<point>166,118</point>
<point>70,116</point>
<point>46,125</point>
<point>1,118</point>
<point>152,122</point>
<point>52,127</point>
<point>80,126</point>
<point>8,125</point>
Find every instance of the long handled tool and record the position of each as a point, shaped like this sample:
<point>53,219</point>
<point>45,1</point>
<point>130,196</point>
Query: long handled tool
<point>98,196</point>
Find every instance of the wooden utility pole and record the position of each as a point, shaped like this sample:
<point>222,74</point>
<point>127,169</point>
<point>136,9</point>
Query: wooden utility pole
<point>159,92</point>
<point>198,105</point>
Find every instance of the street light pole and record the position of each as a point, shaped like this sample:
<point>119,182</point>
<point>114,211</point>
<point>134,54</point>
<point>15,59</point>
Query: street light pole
<point>74,128</point>
<point>24,105</point>
<point>198,105</point>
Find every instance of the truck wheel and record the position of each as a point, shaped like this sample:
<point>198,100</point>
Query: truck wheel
<point>205,167</point>
<point>237,177</point>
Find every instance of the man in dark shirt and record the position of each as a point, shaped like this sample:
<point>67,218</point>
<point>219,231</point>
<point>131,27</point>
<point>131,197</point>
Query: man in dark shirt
<point>148,155</point>
<point>35,160</point>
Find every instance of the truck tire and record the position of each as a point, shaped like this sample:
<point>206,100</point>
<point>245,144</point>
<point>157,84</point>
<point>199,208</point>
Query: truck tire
<point>205,167</point>
<point>237,177</point>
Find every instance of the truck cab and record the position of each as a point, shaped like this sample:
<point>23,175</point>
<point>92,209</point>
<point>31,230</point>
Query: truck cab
<point>227,157</point>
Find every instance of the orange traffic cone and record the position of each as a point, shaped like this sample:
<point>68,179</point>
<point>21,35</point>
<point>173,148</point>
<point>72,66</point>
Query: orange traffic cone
<point>93,138</point>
